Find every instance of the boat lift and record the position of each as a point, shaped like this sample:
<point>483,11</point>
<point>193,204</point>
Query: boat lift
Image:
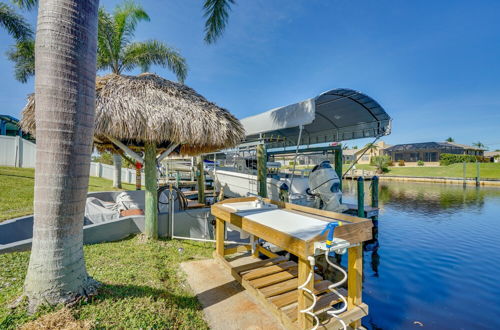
<point>317,124</point>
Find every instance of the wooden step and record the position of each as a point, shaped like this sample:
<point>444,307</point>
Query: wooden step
<point>274,278</point>
<point>291,297</point>
<point>264,271</point>
<point>261,263</point>
<point>324,302</point>
<point>283,287</point>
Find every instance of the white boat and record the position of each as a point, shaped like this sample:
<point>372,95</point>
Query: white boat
<point>319,122</point>
<point>236,184</point>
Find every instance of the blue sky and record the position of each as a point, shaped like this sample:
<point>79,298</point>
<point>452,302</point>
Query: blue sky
<point>433,65</point>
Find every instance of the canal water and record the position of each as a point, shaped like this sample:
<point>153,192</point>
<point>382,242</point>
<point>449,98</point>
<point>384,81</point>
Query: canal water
<point>436,264</point>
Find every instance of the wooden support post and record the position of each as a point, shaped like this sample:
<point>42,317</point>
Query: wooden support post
<point>338,165</point>
<point>254,241</point>
<point>478,174</point>
<point>465,172</point>
<point>200,179</point>
<point>361,197</point>
<point>151,200</point>
<point>192,169</point>
<point>138,181</point>
<point>375,195</point>
<point>262,170</point>
<point>219,237</point>
<point>354,280</point>
<point>304,299</point>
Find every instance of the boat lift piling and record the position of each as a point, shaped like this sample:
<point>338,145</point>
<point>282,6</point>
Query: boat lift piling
<point>261,170</point>
<point>338,164</point>
<point>200,179</point>
<point>374,191</point>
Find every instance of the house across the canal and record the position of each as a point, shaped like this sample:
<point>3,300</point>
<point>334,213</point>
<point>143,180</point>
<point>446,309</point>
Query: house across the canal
<point>429,152</point>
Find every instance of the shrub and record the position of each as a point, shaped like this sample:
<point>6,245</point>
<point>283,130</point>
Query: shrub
<point>420,163</point>
<point>391,163</point>
<point>401,162</point>
<point>381,163</point>
<point>448,159</point>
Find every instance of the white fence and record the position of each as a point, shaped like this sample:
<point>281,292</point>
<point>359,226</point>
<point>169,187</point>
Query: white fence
<point>107,171</point>
<point>16,151</point>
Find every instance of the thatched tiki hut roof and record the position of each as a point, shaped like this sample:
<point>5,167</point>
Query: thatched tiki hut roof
<point>157,115</point>
<point>147,108</point>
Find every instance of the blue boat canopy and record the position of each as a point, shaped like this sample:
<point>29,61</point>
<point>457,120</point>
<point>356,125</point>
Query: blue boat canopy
<point>337,115</point>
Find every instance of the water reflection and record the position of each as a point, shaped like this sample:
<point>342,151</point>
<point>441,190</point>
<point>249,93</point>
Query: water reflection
<point>424,198</point>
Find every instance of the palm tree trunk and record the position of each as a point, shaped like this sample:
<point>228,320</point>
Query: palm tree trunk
<point>151,214</point>
<point>65,102</point>
<point>117,175</point>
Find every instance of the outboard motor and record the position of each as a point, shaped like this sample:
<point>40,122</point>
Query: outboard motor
<point>324,184</point>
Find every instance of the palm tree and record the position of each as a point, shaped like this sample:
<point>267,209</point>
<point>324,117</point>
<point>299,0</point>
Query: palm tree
<point>371,148</point>
<point>479,145</point>
<point>381,163</point>
<point>450,139</point>
<point>65,98</point>
<point>14,23</point>
<point>65,103</point>
<point>116,52</point>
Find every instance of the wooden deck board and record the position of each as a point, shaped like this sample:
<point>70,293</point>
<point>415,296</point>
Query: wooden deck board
<point>324,302</point>
<point>269,270</point>
<point>291,297</point>
<point>261,263</point>
<point>285,286</point>
<point>275,278</point>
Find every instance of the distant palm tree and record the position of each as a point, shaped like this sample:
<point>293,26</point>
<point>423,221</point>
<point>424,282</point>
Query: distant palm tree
<point>478,144</point>
<point>371,148</point>
<point>14,23</point>
<point>450,139</point>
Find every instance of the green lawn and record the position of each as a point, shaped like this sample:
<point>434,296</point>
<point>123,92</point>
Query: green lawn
<point>16,190</point>
<point>142,286</point>
<point>487,170</point>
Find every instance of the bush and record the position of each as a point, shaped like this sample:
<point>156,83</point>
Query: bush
<point>420,163</point>
<point>381,163</point>
<point>448,159</point>
<point>401,162</point>
<point>391,163</point>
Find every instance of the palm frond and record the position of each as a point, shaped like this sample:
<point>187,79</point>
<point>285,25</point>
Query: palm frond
<point>106,56</point>
<point>153,52</point>
<point>126,16</point>
<point>216,13</point>
<point>14,23</point>
<point>25,4</point>
<point>23,56</point>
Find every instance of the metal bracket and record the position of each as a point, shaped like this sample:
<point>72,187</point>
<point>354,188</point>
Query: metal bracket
<point>338,246</point>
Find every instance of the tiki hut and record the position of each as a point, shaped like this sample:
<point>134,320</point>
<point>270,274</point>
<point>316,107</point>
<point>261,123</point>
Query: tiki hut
<point>147,112</point>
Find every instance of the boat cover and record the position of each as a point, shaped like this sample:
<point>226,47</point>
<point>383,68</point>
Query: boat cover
<point>334,116</point>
